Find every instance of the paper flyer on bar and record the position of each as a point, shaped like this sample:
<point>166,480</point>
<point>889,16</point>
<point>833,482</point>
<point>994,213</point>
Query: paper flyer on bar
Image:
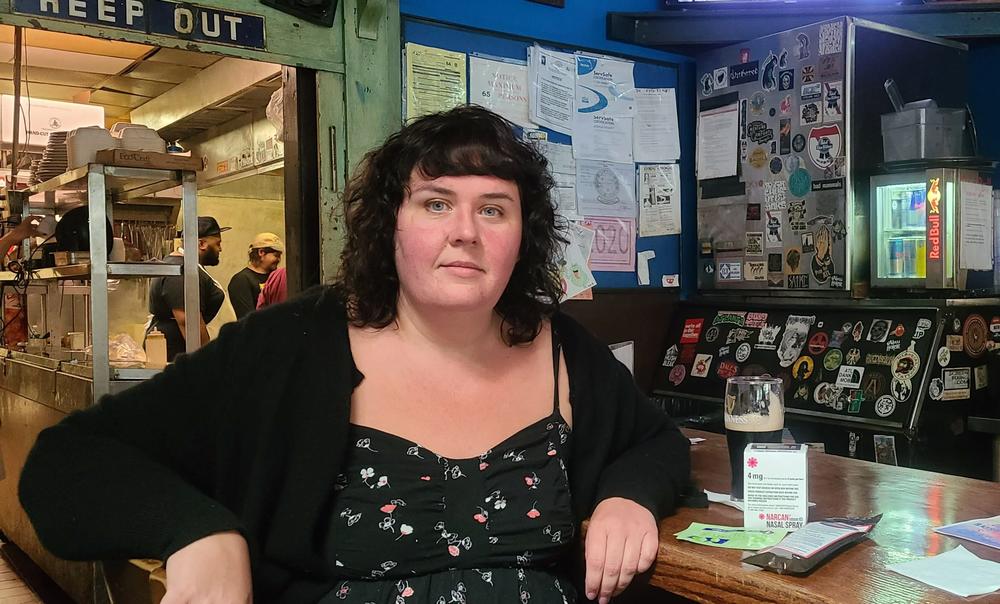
<point>717,142</point>
<point>614,244</point>
<point>602,137</point>
<point>981,530</point>
<point>605,189</point>
<point>605,86</point>
<point>501,87</point>
<point>552,88</point>
<point>659,200</point>
<point>655,135</point>
<point>435,80</point>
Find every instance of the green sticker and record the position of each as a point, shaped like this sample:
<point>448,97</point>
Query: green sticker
<point>833,359</point>
<point>731,537</point>
<point>800,183</point>
<point>856,399</point>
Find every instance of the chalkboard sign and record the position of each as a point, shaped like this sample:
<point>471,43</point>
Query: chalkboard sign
<point>860,364</point>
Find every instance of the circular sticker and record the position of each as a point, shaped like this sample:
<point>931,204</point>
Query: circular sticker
<point>833,359</point>
<point>901,389</point>
<point>818,342</point>
<point>711,334</point>
<point>775,165</point>
<point>905,365</point>
<point>885,406</point>
<point>758,157</point>
<point>677,375</point>
<point>727,369</point>
<point>798,143</point>
<point>900,331</point>
<point>800,183</point>
<point>936,389</point>
<point>943,356</point>
<point>974,332</point>
<point>743,352</point>
<point>826,393</point>
<point>803,368</point>
<point>792,163</point>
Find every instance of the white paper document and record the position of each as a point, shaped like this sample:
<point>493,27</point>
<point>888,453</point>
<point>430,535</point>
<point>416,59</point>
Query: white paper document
<point>655,137</point>
<point>659,200</point>
<point>605,86</point>
<point>975,249</point>
<point>717,142</point>
<point>605,189</point>
<point>561,160</point>
<point>501,87</point>
<point>614,244</point>
<point>435,80</point>
<point>642,266</point>
<point>602,137</point>
<point>574,273</point>
<point>958,571</point>
<point>552,88</point>
<point>565,198</point>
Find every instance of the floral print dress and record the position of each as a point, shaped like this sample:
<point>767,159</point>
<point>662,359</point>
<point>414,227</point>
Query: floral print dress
<point>413,527</point>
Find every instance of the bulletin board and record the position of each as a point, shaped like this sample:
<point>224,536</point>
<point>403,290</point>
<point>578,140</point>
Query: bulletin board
<point>647,74</point>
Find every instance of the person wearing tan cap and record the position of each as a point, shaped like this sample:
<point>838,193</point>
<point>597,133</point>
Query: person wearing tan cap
<point>244,287</point>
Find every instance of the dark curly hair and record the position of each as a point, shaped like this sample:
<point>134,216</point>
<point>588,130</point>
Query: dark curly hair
<point>466,141</point>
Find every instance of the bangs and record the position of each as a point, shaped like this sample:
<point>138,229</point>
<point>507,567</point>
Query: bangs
<point>475,149</point>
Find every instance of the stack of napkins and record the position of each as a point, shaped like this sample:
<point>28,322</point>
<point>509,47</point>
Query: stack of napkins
<point>959,571</point>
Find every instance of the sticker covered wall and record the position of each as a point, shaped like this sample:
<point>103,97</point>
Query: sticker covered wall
<point>788,195</point>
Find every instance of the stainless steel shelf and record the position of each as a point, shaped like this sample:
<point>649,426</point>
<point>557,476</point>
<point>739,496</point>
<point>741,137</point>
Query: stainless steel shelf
<point>120,183</point>
<point>133,373</point>
<point>115,269</point>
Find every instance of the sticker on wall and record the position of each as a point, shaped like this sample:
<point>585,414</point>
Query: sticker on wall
<point>856,398</point>
<point>837,337</point>
<point>702,362</point>
<point>692,331</point>
<point>798,281</point>
<point>783,58</point>
<point>824,145</point>
<point>786,79</point>
<point>975,334</point>
<point>873,385</point>
<point>758,157</point>
<point>711,334</point>
<point>885,406</point>
<point>793,163</point>
<point>753,211</point>
<point>670,357</point>
<point>758,132</point>
<point>743,352</point>
<point>794,338</point>
<point>798,143</point>
<point>818,342</point>
<point>833,96</point>
<point>754,270</point>
<point>874,358</point>
<point>957,383</point>
<point>707,84</point>
<point>799,181</point>
<point>826,394</point>
<point>906,364</point>
<point>954,343</point>
<point>677,375</point>
<point>901,389</point>
<point>755,243</point>
<point>821,265</point>
<point>768,334</point>
<point>774,223</point>
<point>858,331</point>
<point>850,376</point>
<point>775,195</point>
<point>811,92</point>
<point>721,78</point>
<point>893,345</point>
<point>793,260</point>
<point>802,368</point>
<point>743,73</point>
<point>831,37</point>
<point>757,103</point>
<point>768,72</point>
<point>830,184</point>
<point>775,263</point>
<point>731,270</point>
<point>879,330</point>
<point>833,359</point>
<point>756,320</point>
<point>775,279</point>
<point>797,209</point>
<point>775,165</point>
<point>803,50</point>
<point>785,105</point>
<point>982,377</point>
<point>936,389</point>
<point>807,243</point>
<point>830,67</point>
<point>995,327</point>
<point>687,354</point>
<point>808,74</point>
<point>809,113</point>
<point>727,369</point>
<point>956,325</point>
<point>784,139</point>
<point>943,356</point>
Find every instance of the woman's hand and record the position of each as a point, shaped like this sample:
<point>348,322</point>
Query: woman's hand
<point>622,541</point>
<point>213,569</point>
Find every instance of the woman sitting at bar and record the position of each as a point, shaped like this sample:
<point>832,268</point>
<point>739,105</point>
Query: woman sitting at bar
<point>429,429</point>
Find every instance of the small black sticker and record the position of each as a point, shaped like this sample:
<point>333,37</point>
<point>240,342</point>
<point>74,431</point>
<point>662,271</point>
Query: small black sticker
<point>798,281</point>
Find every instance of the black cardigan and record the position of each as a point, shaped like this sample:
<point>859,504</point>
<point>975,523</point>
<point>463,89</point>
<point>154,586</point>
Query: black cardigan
<point>250,432</point>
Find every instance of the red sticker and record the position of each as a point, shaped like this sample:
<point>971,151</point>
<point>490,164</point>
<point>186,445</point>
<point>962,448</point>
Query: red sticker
<point>818,342</point>
<point>900,331</point>
<point>727,369</point>
<point>692,331</point>
<point>687,355</point>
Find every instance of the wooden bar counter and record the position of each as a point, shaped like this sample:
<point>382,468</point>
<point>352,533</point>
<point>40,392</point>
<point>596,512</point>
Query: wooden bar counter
<point>912,503</point>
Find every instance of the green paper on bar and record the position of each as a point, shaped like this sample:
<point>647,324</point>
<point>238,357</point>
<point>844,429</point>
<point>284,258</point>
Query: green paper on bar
<point>731,537</point>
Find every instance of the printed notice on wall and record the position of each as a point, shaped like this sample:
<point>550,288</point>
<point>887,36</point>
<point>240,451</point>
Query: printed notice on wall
<point>605,188</point>
<point>654,137</point>
<point>552,78</point>
<point>435,80</point>
<point>717,142</point>
<point>501,87</point>
<point>614,244</point>
<point>659,200</point>
<point>975,249</point>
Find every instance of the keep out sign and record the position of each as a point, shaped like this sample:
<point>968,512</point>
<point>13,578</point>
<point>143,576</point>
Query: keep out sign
<point>173,19</point>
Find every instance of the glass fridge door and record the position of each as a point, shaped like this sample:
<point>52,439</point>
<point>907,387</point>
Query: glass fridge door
<point>901,240</point>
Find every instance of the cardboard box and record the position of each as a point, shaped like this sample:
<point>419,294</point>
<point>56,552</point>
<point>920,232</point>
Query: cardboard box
<point>148,159</point>
<point>776,487</point>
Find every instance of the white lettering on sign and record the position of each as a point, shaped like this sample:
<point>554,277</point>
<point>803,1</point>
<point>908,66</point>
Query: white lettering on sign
<point>49,6</point>
<point>233,22</point>
<point>78,8</point>
<point>133,10</point>
<point>183,20</point>
<point>106,10</point>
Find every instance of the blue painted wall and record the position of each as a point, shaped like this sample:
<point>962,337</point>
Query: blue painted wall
<point>984,96</point>
<point>582,24</point>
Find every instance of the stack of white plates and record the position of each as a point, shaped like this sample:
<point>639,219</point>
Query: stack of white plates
<point>54,158</point>
<point>34,171</point>
<point>136,137</point>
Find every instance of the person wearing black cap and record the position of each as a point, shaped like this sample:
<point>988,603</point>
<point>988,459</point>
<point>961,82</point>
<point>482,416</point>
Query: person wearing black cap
<point>166,294</point>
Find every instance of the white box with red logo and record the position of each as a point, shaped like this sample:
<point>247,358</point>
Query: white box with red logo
<point>775,486</point>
